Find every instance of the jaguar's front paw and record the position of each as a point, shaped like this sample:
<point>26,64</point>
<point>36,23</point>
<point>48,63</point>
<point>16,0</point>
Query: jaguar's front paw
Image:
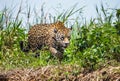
<point>59,55</point>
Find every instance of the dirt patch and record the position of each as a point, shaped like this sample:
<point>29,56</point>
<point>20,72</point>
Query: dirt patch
<point>61,73</point>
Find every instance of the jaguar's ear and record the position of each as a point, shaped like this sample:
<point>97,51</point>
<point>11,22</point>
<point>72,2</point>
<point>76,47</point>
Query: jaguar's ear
<point>55,30</point>
<point>60,23</point>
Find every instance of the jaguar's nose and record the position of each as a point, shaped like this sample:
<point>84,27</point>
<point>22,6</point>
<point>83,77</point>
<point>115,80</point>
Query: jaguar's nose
<point>66,44</point>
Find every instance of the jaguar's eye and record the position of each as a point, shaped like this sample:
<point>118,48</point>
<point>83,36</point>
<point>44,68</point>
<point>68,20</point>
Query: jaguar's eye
<point>69,37</point>
<point>62,38</point>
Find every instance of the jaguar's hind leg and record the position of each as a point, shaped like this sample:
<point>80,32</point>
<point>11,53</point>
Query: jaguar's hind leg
<point>36,49</point>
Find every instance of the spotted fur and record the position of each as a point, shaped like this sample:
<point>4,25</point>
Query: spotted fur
<point>56,36</point>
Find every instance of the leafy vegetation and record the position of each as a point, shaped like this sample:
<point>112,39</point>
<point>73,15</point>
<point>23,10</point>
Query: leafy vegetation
<point>94,43</point>
<point>91,45</point>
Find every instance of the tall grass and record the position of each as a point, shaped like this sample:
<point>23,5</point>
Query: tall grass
<point>96,42</point>
<point>91,43</point>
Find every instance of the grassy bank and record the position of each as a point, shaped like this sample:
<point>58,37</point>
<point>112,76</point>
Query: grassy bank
<point>93,44</point>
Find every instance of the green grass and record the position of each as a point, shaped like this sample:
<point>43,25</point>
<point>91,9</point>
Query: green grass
<point>92,44</point>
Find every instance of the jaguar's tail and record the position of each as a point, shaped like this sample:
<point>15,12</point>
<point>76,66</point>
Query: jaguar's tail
<point>24,49</point>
